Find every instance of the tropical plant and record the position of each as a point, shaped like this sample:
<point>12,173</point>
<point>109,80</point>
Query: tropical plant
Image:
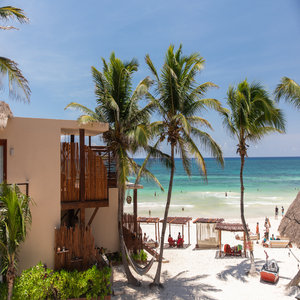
<point>117,105</point>
<point>178,99</point>
<point>251,116</point>
<point>290,90</point>
<point>18,84</point>
<point>40,282</point>
<point>15,217</point>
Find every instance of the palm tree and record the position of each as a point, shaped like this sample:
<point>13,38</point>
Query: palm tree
<point>178,99</point>
<point>290,90</point>
<point>18,84</point>
<point>128,125</point>
<point>15,217</point>
<point>252,115</point>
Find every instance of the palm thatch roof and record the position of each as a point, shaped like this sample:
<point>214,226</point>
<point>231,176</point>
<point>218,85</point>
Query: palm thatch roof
<point>208,220</point>
<point>233,227</point>
<point>177,220</point>
<point>290,223</point>
<point>5,114</point>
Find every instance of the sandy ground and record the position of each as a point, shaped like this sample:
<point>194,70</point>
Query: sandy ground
<point>196,274</point>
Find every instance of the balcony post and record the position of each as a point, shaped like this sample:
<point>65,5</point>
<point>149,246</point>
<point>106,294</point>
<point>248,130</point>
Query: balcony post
<point>82,175</point>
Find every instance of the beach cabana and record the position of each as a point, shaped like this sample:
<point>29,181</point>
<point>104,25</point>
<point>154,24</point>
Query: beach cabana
<point>155,221</point>
<point>179,221</point>
<point>231,227</point>
<point>206,234</point>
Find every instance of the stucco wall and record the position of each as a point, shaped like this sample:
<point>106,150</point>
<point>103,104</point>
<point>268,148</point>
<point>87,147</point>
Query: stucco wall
<point>36,160</point>
<point>105,223</point>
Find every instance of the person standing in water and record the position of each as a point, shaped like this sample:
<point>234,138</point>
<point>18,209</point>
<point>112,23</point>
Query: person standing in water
<point>276,212</point>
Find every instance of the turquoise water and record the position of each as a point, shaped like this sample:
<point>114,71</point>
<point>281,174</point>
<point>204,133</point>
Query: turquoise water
<point>268,182</point>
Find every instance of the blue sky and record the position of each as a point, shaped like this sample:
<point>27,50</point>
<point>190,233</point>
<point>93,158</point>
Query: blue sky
<point>257,40</point>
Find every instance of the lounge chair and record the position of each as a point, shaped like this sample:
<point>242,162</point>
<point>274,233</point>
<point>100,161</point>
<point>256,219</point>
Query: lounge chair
<point>279,243</point>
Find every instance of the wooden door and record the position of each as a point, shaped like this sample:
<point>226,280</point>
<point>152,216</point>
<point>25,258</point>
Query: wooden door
<point>3,160</point>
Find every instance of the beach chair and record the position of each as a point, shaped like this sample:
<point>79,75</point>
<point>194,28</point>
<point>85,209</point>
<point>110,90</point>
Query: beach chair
<point>279,243</point>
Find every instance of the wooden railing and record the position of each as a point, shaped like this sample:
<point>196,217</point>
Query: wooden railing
<point>109,162</point>
<point>96,180</point>
<point>74,248</point>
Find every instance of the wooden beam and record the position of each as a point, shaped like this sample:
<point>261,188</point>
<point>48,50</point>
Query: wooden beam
<point>189,232</point>
<point>72,138</point>
<point>93,216</point>
<point>90,141</point>
<point>82,175</point>
<point>84,204</point>
<point>245,244</point>
<point>135,209</point>
<point>220,243</point>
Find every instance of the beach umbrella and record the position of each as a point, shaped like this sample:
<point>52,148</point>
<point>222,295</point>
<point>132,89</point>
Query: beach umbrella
<point>5,114</point>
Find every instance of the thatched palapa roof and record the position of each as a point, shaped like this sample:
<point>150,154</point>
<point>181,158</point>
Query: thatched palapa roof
<point>177,220</point>
<point>5,114</point>
<point>233,227</point>
<point>290,223</point>
<point>148,220</point>
<point>208,220</point>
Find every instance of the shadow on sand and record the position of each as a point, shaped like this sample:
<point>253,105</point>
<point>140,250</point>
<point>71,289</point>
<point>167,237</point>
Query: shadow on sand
<point>175,287</point>
<point>239,271</point>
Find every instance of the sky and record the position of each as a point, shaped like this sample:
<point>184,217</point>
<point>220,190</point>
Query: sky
<point>253,39</point>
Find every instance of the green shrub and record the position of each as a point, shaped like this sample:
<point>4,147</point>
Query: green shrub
<point>34,283</point>
<point>143,255</point>
<point>3,291</point>
<point>140,256</point>
<point>41,283</point>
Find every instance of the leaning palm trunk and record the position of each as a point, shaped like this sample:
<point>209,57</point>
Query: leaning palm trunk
<point>295,281</point>
<point>121,192</point>
<point>158,271</point>
<point>252,268</point>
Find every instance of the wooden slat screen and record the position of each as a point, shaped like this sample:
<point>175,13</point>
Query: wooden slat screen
<point>79,248</point>
<point>95,174</point>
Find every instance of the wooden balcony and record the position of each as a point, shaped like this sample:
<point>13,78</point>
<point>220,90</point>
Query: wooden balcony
<point>91,189</point>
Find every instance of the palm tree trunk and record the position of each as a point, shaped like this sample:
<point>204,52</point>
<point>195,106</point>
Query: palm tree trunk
<point>121,195</point>
<point>252,268</point>
<point>158,271</point>
<point>10,275</point>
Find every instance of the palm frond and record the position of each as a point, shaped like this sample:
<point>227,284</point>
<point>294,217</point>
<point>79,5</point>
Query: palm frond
<point>18,84</point>
<point>10,12</point>
<point>289,90</point>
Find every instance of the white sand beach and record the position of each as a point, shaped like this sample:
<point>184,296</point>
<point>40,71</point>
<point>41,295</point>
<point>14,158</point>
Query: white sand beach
<point>196,274</point>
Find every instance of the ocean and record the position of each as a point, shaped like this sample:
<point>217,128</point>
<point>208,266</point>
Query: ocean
<point>269,181</point>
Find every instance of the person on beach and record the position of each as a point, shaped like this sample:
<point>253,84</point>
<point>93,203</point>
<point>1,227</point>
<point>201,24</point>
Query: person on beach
<point>272,237</point>
<point>179,240</point>
<point>257,232</point>
<point>145,237</point>
<point>276,212</point>
<point>149,213</point>
<point>171,241</point>
<point>267,230</point>
<point>282,211</point>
